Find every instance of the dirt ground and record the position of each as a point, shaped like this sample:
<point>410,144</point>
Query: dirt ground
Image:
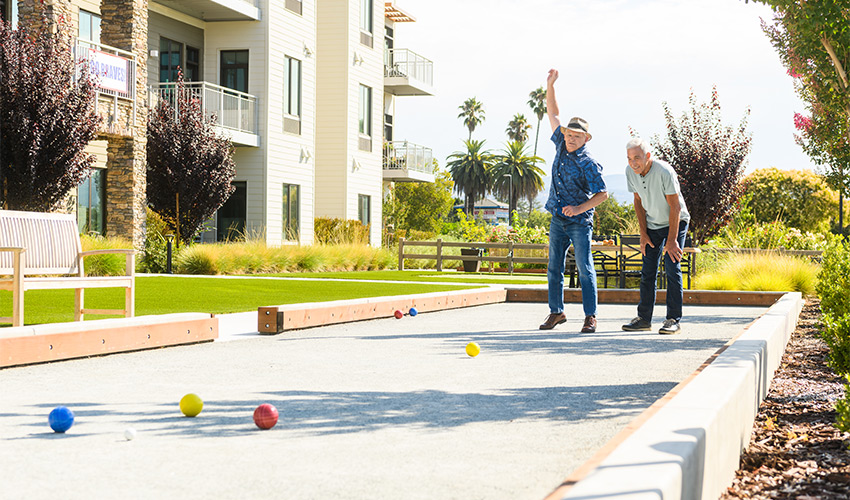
<point>795,451</point>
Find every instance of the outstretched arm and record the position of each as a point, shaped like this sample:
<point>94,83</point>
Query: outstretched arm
<point>551,102</point>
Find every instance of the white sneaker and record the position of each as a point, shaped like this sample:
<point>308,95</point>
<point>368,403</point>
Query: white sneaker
<point>670,327</point>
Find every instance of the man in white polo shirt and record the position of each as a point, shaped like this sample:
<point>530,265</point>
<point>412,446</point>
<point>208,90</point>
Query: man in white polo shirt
<point>663,219</point>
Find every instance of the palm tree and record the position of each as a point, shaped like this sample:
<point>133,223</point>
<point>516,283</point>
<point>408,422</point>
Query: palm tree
<point>538,107</point>
<point>470,171</point>
<point>472,113</point>
<point>526,178</point>
<point>518,128</point>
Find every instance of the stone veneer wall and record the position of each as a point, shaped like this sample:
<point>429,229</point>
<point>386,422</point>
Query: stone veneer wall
<point>124,25</point>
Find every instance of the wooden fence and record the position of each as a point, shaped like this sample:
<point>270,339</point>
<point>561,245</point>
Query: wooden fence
<point>439,245</point>
<point>511,260</point>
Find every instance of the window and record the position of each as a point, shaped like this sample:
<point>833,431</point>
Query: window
<point>170,60</point>
<point>294,6</point>
<point>292,95</point>
<point>91,203</point>
<point>291,212</point>
<point>365,119</point>
<point>9,12</point>
<point>364,209</point>
<point>365,110</point>
<point>230,223</point>
<point>89,26</point>
<point>234,70</point>
<point>193,65</point>
<point>366,37</point>
<point>366,16</point>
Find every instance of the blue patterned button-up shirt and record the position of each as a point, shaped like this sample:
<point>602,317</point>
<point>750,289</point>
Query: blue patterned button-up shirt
<point>576,177</point>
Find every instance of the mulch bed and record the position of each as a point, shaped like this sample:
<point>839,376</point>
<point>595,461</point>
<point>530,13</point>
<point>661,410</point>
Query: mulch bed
<point>795,452</point>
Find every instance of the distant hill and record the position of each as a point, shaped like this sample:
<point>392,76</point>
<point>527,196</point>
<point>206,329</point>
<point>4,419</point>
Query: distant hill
<point>616,184</point>
<point>618,188</point>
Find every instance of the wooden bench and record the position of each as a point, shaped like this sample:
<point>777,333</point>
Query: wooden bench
<point>42,251</point>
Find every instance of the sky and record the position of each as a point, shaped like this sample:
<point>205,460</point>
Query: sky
<point>618,60</point>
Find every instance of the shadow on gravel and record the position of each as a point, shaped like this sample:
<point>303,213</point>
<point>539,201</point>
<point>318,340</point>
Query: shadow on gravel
<point>327,413</point>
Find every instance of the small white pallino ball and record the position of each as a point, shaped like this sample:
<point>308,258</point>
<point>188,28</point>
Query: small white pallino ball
<point>129,434</point>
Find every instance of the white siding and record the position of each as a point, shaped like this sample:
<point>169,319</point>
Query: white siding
<point>338,183</point>
<point>289,34</point>
<point>250,162</point>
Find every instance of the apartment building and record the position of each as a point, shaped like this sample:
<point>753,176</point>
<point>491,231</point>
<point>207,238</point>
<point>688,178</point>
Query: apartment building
<point>305,89</point>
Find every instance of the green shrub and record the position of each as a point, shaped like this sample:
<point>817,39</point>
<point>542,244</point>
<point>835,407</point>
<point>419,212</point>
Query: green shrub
<point>153,258</point>
<point>769,235</point>
<point>113,264</point>
<point>329,231</point>
<point>836,334</point>
<point>842,409</point>
<point>833,286</point>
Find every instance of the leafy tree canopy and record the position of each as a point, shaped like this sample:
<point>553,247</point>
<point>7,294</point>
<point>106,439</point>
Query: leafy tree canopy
<point>799,198</point>
<point>47,117</point>
<point>709,158</point>
<point>190,168</point>
<point>421,206</point>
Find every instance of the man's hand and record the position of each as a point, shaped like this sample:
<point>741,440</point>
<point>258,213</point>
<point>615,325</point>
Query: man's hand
<point>644,241</point>
<point>570,211</point>
<point>553,75</point>
<point>673,250</point>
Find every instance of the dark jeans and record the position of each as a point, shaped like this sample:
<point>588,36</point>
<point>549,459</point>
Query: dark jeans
<point>649,272</point>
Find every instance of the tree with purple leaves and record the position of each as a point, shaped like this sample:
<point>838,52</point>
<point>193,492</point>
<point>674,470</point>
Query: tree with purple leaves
<point>190,167</point>
<point>47,117</point>
<point>709,159</point>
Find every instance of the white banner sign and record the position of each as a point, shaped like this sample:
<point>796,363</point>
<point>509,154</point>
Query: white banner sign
<point>112,71</point>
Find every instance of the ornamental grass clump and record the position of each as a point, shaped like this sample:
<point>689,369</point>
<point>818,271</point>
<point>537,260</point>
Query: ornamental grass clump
<point>112,264</point>
<point>760,272</point>
<point>255,257</point>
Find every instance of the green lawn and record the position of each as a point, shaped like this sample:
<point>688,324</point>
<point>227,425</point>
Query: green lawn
<point>430,276</point>
<point>165,294</point>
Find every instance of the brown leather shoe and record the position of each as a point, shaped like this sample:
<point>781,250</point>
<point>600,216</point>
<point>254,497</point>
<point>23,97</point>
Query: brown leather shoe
<point>553,320</point>
<point>589,324</point>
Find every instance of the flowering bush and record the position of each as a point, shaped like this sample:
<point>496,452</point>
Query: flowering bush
<point>770,235</point>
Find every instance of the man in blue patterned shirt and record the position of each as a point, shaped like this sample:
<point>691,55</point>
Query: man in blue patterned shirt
<point>577,187</point>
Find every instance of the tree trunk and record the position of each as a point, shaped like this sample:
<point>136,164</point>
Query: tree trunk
<point>536,137</point>
<point>177,217</point>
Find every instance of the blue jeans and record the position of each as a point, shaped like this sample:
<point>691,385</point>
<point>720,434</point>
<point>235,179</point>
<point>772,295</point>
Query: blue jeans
<point>562,232</point>
<point>649,271</point>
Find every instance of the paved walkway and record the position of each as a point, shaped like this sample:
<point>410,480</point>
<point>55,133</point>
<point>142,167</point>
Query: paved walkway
<point>375,409</point>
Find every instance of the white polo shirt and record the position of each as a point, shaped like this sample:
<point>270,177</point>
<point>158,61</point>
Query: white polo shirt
<point>660,181</point>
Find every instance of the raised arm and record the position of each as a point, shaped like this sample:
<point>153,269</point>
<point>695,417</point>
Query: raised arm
<point>551,102</point>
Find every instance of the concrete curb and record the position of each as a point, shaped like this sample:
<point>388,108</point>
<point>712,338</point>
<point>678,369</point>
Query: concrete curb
<point>690,446</point>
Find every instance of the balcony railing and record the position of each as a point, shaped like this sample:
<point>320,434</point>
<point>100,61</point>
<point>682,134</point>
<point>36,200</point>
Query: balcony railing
<point>114,69</point>
<point>408,64</point>
<point>403,155</point>
<point>231,109</point>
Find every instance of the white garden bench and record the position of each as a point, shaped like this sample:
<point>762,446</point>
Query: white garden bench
<point>42,251</point>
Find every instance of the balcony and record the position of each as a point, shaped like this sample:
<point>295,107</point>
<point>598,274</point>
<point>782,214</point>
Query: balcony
<point>235,112</point>
<point>407,73</point>
<point>407,162</point>
<point>115,69</point>
<point>213,10</point>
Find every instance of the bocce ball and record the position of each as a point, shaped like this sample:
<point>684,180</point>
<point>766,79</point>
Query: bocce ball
<point>398,314</point>
<point>60,419</point>
<point>413,311</point>
<point>472,349</point>
<point>191,405</point>
<point>129,434</point>
<point>265,416</point>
